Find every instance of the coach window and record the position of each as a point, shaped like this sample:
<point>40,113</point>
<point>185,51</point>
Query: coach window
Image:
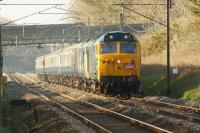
<point>128,48</point>
<point>108,48</point>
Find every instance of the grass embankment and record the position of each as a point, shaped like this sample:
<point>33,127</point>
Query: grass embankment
<point>185,53</point>
<point>4,130</point>
<point>185,48</point>
<point>3,105</point>
<point>185,85</point>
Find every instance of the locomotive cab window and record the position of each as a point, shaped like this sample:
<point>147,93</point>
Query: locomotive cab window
<point>129,48</point>
<point>108,48</point>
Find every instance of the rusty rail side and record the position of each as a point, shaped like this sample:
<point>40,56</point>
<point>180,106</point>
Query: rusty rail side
<point>86,121</point>
<point>115,114</point>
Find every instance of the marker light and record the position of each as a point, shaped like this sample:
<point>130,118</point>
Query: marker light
<point>111,37</point>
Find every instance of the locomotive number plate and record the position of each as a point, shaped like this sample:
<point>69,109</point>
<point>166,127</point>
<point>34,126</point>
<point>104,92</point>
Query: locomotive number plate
<point>129,66</point>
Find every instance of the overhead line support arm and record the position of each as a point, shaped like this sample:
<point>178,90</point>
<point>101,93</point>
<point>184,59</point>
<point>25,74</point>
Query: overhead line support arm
<point>145,16</point>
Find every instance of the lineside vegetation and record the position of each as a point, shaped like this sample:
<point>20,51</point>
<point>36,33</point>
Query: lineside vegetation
<point>185,48</point>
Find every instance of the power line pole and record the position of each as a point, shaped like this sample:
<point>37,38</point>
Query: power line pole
<point>79,34</point>
<point>101,19</point>
<point>122,16</point>
<point>16,40</point>
<point>168,46</point>
<point>88,27</point>
<point>23,30</point>
<point>169,6</point>
<point>1,58</point>
<point>1,68</point>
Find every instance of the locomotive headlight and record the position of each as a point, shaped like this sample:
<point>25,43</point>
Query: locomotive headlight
<point>111,37</point>
<point>126,37</point>
<point>118,61</point>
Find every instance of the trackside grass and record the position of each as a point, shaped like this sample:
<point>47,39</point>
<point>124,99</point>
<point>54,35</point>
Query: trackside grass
<point>184,85</point>
<point>3,105</point>
<point>4,130</point>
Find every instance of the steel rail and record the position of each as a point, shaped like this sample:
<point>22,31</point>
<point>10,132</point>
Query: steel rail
<point>181,107</point>
<point>169,113</point>
<point>156,109</point>
<point>171,106</point>
<point>85,120</point>
<point>167,104</point>
<point>126,118</point>
<point>110,112</point>
<point>59,103</point>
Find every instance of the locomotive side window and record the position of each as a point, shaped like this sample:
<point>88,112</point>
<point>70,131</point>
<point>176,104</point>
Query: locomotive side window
<point>108,48</point>
<point>128,48</point>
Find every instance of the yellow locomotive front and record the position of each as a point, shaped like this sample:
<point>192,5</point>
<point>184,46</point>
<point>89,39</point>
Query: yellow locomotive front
<point>119,63</point>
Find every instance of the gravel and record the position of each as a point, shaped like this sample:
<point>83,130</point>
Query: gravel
<point>174,101</point>
<point>169,123</point>
<point>50,118</point>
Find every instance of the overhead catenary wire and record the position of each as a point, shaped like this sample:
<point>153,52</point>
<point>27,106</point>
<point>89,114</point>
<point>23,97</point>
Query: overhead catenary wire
<point>140,4</point>
<point>25,4</point>
<point>28,16</point>
<point>134,29</point>
<point>54,13</point>
<point>76,12</point>
<point>167,25</point>
<point>70,18</point>
<point>145,16</point>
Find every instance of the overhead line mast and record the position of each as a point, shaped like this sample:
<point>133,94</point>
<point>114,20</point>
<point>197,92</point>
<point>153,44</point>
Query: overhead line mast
<point>169,5</point>
<point>2,78</point>
<point>122,16</point>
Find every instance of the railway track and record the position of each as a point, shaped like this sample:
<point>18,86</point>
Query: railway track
<point>99,118</point>
<point>176,106</point>
<point>168,109</point>
<point>177,111</point>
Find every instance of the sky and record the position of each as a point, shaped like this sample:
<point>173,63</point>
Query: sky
<point>19,11</point>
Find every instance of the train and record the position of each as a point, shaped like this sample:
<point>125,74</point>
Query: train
<point>109,64</point>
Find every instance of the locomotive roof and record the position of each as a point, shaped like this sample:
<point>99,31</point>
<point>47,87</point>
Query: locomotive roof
<point>114,36</point>
<point>117,36</point>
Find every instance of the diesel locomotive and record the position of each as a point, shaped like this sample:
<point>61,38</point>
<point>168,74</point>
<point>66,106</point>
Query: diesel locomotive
<point>109,64</point>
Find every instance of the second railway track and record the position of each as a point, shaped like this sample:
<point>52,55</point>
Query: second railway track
<point>187,113</point>
<point>101,119</point>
